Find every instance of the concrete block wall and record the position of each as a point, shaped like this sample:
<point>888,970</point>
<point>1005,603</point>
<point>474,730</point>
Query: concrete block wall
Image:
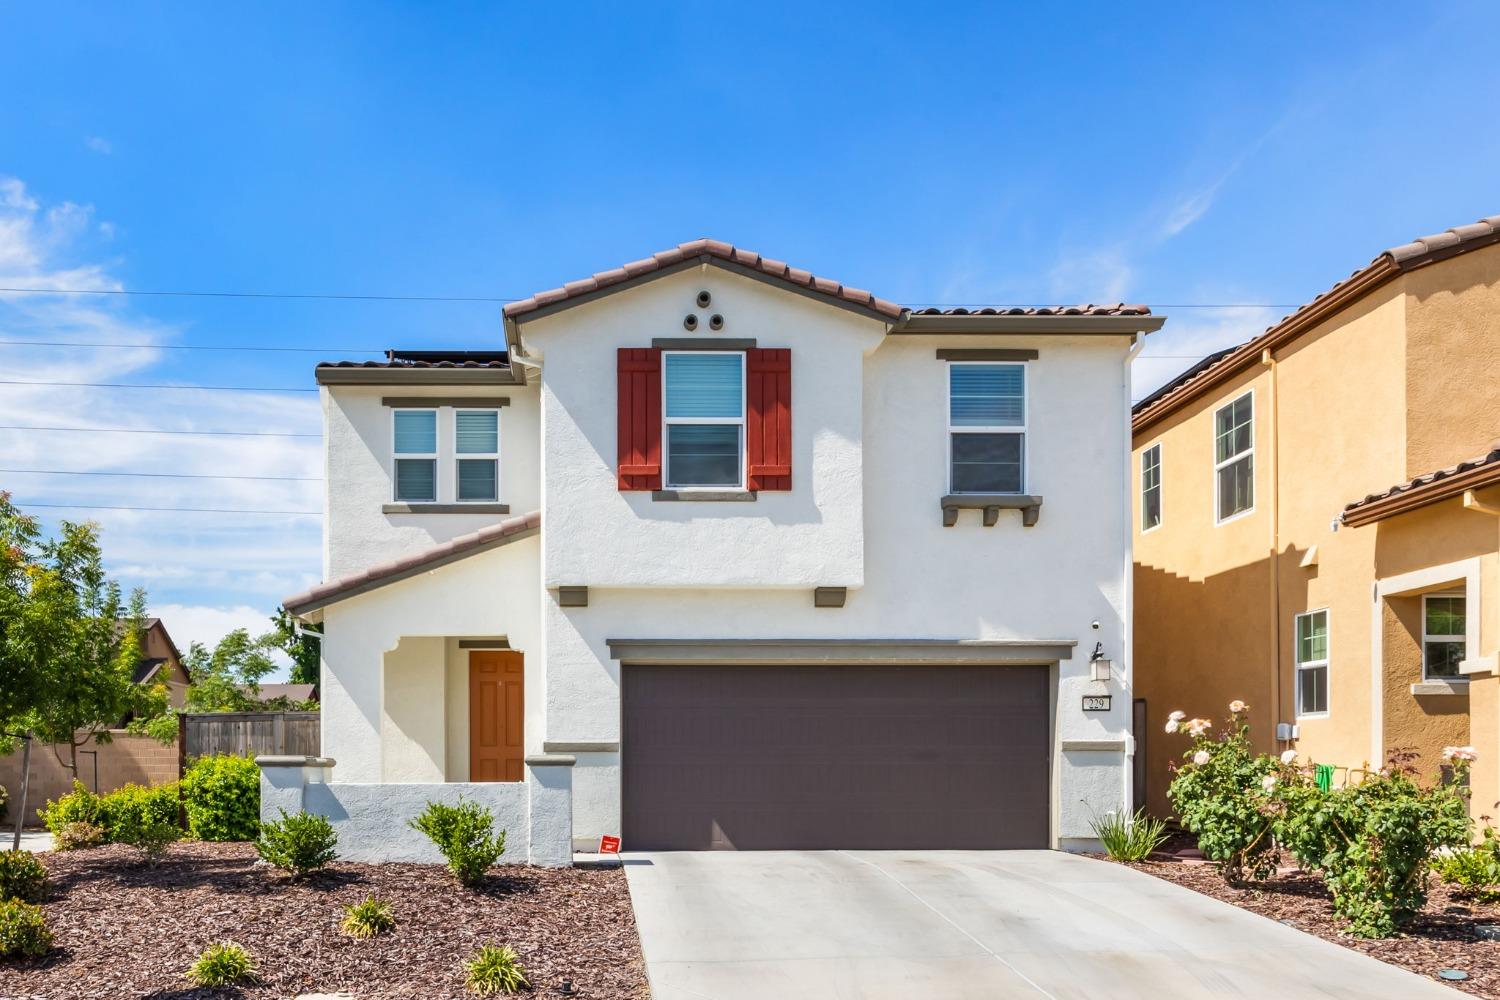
<point>125,759</point>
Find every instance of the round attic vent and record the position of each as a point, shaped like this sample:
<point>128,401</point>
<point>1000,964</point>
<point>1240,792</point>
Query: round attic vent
<point>716,322</point>
<point>704,299</point>
<point>690,322</point>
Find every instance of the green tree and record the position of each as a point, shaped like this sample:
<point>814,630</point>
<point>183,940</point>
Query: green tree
<point>228,679</point>
<point>303,649</point>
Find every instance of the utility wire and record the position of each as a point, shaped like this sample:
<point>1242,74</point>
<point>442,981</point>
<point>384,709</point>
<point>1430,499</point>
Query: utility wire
<point>193,347</point>
<point>163,475</point>
<point>178,510</point>
<point>148,430</point>
<point>155,385</point>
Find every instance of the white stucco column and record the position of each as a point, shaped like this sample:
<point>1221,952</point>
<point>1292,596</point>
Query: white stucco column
<point>549,784</point>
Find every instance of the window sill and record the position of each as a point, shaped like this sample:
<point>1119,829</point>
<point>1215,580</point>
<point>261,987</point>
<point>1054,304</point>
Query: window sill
<point>1441,687</point>
<point>705,496</point>
<point>992,504</point>
<point>445,508</point>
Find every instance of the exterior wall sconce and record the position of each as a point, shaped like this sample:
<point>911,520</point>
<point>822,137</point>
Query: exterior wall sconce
<point>1099,667</point>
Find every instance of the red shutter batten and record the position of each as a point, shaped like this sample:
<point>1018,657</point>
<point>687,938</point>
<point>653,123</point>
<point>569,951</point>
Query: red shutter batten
<point>768,418</point>
<point>639,418</point>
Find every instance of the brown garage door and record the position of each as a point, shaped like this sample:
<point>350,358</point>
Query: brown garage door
<point>823,757</point>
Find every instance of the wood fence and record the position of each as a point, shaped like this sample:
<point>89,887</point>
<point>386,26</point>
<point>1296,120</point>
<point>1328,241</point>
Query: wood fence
<point>248,733</point>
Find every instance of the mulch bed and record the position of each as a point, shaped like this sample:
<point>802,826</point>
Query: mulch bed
<point>1442,936</point>
<point>126,930</point>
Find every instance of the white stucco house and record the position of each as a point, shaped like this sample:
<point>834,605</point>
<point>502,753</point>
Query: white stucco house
<point>718,554</point>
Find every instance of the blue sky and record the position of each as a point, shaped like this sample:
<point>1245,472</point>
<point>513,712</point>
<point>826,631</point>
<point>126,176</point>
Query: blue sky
<point>1179,155</point>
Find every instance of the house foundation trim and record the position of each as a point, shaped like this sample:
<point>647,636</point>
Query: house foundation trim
<point>698,652</point>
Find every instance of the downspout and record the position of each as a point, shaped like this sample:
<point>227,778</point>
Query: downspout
<point>1274,562</point>
<point>1127,644</point>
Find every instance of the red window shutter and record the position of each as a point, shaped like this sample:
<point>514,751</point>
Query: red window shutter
<point>768,418</point>
<point>639,418</point>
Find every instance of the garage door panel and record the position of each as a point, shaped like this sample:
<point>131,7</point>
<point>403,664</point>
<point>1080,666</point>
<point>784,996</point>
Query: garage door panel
<point>811,757</point>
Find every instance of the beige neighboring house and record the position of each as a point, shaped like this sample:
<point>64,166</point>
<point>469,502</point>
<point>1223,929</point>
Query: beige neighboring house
<point>126,758</point>
<point>1317,521</point>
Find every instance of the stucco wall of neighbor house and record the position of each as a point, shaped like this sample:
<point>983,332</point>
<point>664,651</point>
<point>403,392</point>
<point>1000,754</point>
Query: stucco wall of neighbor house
<point>487,595</point>
<point>598,536</point>
<point>1452,386</point>
<point>358,465</point>
<point>920,580</point>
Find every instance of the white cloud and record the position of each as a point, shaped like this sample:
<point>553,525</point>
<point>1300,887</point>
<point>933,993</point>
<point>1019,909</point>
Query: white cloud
<point>186,559</point>
<point>188,624</point>
<point>1189,210</point>
<point>1101,275</point>
<point>99,144</point>
<point>1191,334</point>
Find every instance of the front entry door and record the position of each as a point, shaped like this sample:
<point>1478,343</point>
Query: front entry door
<point>497,709</point>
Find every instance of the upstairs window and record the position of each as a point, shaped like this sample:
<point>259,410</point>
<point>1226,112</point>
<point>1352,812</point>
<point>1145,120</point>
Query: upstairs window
<point>415,448</point>
<point>986,427</point>
<point>476,447</point>
<point>1312,663</point>
<point>1444,636</point>
<point>1151,487</point>
<point>705,419</point>
<point>1234,458</point>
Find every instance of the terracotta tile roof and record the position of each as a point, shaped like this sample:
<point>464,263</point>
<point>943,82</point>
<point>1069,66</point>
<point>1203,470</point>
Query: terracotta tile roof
<point>711,250</point>
<point>501,533</point>
<point>1117,309</point>
<point>497,360</point>
<point>1474,473</point>
<point>1386,266</point>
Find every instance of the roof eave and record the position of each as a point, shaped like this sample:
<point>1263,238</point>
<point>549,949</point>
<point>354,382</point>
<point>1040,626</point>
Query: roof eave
<point>420,376</point>
<point>1118,326</point>
<point>1417,497</point>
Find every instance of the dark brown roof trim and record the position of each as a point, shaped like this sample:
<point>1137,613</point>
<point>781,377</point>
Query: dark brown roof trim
<point>375,373</point>
<point>512,529</point>
<point>1422,491</point>
<point>1113,320</point>
<point>689,254</point>
<point>1384,268</point>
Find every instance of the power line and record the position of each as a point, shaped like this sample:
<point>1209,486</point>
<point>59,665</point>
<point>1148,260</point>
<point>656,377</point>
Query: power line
<point>193,347</point>
<point>163,475</point>
<point>149,430</point>
<point>178,510</point>
<point>155,385</point>
<point>258,295</point>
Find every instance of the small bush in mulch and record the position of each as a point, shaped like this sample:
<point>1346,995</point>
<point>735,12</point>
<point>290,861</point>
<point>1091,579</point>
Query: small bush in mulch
<point>298,843</point>
<point>22,877</point>
<point>78,836</point>
<point>222,964</point>
<point>23,930</point>
<point>221,796</point>
<point>565,924</point>
<point>131,807</point>
<point>463,834</point>
<point>495,969</point>
<point>366,919</point>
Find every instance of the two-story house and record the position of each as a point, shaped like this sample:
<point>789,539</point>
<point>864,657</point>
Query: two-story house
<point>1315,524</point>
<point>719,554</point>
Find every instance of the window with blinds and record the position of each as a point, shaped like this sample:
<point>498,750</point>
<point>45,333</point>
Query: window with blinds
<point>476,449</point>
<point>705,418</point>
<point>986,427</point>
<point>415,447</point>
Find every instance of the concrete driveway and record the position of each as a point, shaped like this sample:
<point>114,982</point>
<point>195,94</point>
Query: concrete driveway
<point>941,925</point>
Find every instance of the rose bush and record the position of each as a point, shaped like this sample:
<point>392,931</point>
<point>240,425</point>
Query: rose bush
<point>1220,793</point>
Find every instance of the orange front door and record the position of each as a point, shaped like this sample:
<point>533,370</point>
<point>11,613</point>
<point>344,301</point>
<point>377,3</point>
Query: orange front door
<point>497,709</point>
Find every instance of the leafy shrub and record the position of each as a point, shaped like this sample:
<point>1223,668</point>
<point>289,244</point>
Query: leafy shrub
<point>1220,792</point>
<point>1474,871</point>
<point>23,930</point>
<point>137,806</point>
<point>78,806</point>
<point>222,964</point>
<point>22,877</point>
<point>365,920</point>
<point>297,843</point>
<point>495,969</point>
<point>221,794</point>
<point>1129,838</point>
<point>1374,841</point>
<point>463,834</point>
<point>78,836</point>
<point>147,834</point>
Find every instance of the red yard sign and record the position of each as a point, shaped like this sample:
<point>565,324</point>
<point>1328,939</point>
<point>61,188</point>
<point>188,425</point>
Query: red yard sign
<point>609,845</point>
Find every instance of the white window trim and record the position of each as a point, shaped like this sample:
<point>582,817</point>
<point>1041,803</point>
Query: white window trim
<point>1023,431</point>
<point>477,456</point>
<point>1160,508</point>
<point>1426,637</point>
<point>1213,444</point>
<point>666,451</point>
<point>437,437</point>
<point>1299,666</point>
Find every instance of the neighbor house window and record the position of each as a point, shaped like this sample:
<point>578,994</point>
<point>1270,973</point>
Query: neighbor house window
<point>476,448</point>
<point>986,427</point>
<point>1312,663</point>
<point>705,417</point>
<point>415,448</point>
<point>1151,487</point>
<point>1234,457</point>
<point>1444,639</point>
